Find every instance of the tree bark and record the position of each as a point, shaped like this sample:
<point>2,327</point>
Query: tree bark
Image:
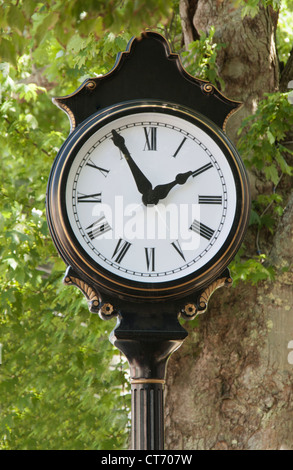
<point>187,9</point>
<point>230,385</point>
<point>248,62</point>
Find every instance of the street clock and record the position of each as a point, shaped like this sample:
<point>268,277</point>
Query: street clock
<point>148,198</point>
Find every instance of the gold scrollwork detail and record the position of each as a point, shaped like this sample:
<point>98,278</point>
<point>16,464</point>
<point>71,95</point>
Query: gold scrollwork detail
<point>192,309</point>
<point>208,88</point>
<point>67,111</point>
<point>91,85</point>
<point>206,294</point>
<point>90,294</point>
<point>107,309</point>
<point>96,305</point>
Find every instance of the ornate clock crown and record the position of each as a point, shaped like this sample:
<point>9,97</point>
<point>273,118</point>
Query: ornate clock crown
<point>148,69</point>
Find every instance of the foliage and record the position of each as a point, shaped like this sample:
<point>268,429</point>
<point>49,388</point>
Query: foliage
<point>57,364</point>
<point>263,146</point>
<point>200,59</point>
<point>252,270</point>
<point>284,34</point>
<point>251,7</point>
<point>55,356</point>
<point>264,143</point>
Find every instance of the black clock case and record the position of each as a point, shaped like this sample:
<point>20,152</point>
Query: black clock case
<point>74,256</point>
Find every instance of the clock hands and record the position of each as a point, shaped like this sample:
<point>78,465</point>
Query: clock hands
<point>142,183</point>
<point>144,186</point>
<point>162,190</point>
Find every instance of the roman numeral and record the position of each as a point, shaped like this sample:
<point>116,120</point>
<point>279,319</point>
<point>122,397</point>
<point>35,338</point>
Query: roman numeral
<point>179,148</point>
<point>121,249</point>
<point>97,197</point>
<point>202,169</point>
<point>98,228</point>
<point>102,170</point>
<point>210,199</point>
<point>201,229</point>
<point>150,134</point>
<point>150,258</point>
<point>178,248</point>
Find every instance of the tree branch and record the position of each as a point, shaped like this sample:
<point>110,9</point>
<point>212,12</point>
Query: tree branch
<point>39,79</point>
<point>287,73</point>
<point>187,9</point>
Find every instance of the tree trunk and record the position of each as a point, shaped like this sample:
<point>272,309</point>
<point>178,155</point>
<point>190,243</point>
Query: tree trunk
<point>230,385</point>
<point>248,63</point>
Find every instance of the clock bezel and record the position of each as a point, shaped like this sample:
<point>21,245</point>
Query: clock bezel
<point>75,256</point>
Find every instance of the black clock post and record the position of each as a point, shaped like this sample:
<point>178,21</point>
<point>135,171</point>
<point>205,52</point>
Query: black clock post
<point>149,79</point>
<point>148,337</point>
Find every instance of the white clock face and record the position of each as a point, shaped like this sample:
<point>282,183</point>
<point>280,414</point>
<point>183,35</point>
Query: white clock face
<point>151,197</point>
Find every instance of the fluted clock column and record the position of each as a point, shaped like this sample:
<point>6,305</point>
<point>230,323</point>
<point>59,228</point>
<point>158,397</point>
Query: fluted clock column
<point>147,410</point>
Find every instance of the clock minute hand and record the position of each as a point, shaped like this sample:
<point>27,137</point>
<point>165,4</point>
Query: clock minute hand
<point>162,190</point>
<point>142,183</point>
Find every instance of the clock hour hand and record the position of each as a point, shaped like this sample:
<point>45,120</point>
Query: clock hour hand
<point>143,184</point>
<point>162,190</point>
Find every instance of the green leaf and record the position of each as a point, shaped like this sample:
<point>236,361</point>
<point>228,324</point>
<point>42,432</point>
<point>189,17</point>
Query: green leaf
<point>271,173</point>
<point>12,263</point>
<point>270,137</point>
<point>29,7</point>
<point>7,51</point>
<point>75,44</point>
<point>48,23</point>
<point>254,218</point>
<point>15,19</point>
<point>285,168</point>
